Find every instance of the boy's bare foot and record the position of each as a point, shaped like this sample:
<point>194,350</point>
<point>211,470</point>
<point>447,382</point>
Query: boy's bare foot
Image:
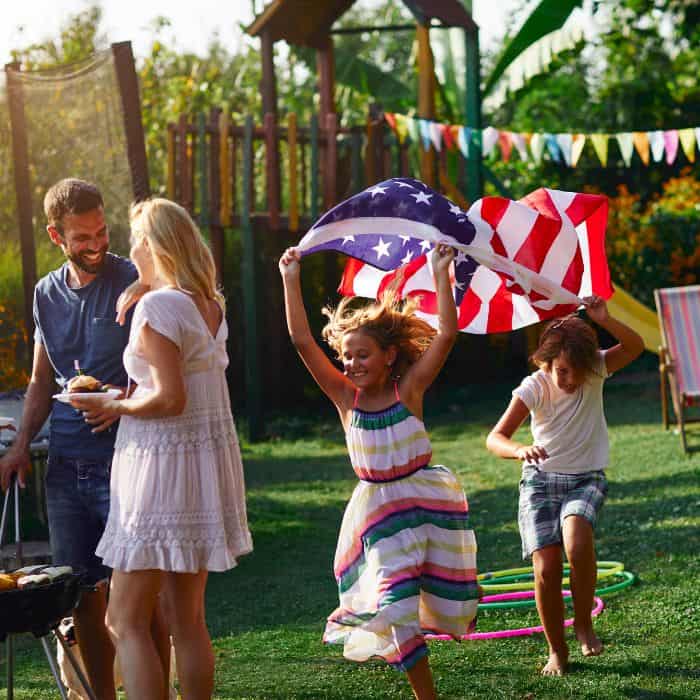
<point>590,644</point>
<point>556,663</point>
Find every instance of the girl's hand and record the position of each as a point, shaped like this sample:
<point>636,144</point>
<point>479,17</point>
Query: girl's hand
<point>128,298</point>
<point>596,308</point>
<point>98,411</point>
<point>289,264</point>
<point>441,257</point>
<point>531,453</point>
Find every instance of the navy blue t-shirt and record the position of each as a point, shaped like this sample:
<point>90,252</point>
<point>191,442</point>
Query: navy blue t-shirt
<point>78,324</point>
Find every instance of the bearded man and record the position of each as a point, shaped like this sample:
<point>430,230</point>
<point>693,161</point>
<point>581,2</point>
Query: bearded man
<point>75,310</point>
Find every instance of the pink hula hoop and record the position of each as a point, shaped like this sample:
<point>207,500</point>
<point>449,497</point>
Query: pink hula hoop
<point>517,631</point>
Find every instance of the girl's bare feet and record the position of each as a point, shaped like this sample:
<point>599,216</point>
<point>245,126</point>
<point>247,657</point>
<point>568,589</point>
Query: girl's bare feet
<point>590,644</point>
<point>556,663</point>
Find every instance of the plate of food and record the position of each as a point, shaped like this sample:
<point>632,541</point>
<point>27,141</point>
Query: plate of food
<point>83,386</point>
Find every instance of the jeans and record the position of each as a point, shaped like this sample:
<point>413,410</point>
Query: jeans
<point>77,502</point>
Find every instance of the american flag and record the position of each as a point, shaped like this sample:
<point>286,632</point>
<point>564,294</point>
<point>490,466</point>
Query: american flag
<point>517,262</point>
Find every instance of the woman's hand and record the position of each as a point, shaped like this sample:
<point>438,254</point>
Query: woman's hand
<point>441,258</point>
<point>98,411</point>
<point>290,263</point>
<point>531,453</point>
<point>596,308</point>
<point>128,298</point>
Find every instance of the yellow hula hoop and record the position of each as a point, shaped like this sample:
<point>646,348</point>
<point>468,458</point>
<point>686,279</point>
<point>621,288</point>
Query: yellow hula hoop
<point>604,569</point>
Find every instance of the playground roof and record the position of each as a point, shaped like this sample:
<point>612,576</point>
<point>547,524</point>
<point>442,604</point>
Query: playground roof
<point>308,22</point>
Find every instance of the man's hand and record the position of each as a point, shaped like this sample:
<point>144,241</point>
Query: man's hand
<point>16,461</point>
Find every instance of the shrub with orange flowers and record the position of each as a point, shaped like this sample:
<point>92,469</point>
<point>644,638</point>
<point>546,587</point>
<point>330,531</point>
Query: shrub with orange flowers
<point>656,244</point>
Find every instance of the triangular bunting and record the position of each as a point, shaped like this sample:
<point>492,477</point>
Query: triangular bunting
<point>413,129</point>
<point>671,143</point>
<point>553,147</point>
<point>519,143</point>
<point>656,142</point>
<point>401,127</point>
<point>425,133</point>
<point>624,141</point>
<point>537,147</point>
<point>436,135</point>
<point>687,139</point>
<point>641,145</point>
<point>579,141</point>
<point>564,142</point>
<point>505,143</point>
<point>463,138</point>
<point>600,145</point>
<point>489,137</point>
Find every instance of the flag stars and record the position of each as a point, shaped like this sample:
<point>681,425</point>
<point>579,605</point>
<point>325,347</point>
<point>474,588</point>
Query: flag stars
<point>377,190</point>
<point>407,258</point>
<point>454,209</point>
<point>406,184</point>
<point>405,240</point>
<point>461,257</point>
<point>422,198</point>
<point>348,239</point>
<point>425,245</point>
<point>381,249</point>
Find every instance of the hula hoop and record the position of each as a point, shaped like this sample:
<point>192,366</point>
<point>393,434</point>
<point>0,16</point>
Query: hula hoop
<point>517,631</point>
<point>510,600</point>
<point>604,570</point>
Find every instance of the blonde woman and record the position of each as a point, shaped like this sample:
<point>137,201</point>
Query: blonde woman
<point>177,507</point>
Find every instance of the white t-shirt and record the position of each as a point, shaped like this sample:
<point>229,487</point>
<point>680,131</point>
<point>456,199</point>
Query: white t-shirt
<point>570,427</point>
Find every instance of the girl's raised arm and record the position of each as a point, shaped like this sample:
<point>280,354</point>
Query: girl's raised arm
<point>333,383</point>
<point>422,374</point>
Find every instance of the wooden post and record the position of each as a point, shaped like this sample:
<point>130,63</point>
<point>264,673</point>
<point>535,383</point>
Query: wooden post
<point>23,194</point>
<point>216,231</point>
<point>356,161</point>
<point>272,170</point>
<point>131,109</point>
<point>313,138</point>
<point>325,61</point>
<point>475,183</point>
<point>224,169</point>
<point>426,98</point>
<point>183,164</point>
<point>268,86</point>
<point>293,172</point>
<point>248,278</point>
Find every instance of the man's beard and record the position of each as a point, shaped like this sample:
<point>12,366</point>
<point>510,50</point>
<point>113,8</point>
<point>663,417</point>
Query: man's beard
<point>91,268</point>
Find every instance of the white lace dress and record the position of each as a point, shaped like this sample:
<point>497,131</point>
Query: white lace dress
<point>177,489</point>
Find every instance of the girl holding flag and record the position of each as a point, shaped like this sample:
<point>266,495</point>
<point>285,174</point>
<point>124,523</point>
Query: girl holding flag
<point>406,558</point>
<point>563,483</point>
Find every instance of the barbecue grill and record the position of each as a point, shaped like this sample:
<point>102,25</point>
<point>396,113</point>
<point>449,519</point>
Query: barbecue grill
<point>38,610</point>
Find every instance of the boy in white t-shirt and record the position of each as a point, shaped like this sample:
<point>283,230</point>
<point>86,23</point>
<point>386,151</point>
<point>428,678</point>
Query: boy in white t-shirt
<point>563,484</point>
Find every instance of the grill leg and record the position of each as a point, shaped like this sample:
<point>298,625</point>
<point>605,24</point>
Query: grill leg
<point>54,668</point>
<point>10,660</point>
<point>76,666</point>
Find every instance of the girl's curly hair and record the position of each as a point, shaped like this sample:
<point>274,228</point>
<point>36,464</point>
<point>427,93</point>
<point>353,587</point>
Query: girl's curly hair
<point>389,321</point>
<point>572,337</point>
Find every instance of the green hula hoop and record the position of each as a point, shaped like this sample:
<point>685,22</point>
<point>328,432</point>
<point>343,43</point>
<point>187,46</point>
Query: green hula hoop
<point>628,579</point>
<point>604,570</point>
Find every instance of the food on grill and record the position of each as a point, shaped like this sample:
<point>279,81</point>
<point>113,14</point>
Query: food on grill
<point>31,576</point>
<point>84,383</point>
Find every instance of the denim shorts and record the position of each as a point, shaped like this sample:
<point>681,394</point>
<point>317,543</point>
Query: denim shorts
<point>548,498</point>
<point>77,503</point>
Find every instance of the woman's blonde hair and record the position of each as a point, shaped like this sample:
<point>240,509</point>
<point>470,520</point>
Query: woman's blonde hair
<point>180,254</point>
<point>388,321</point>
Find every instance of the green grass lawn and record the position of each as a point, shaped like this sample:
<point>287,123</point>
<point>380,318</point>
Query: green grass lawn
<point>267,616</point>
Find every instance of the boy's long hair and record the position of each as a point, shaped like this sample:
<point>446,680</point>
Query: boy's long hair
<point>180,254</point>
<point>572,337</point>
<point>389,321</point>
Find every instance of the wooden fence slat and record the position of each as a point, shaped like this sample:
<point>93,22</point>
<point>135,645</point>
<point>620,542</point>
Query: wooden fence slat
<point>313,203</point>
<point>203,170</point>
<point>248,277</point>
<point>293,173</point>
<point>272,170</point>
<point>216,231</point>
<point>356,161</point>
<point>172,163</point>
<point>224,170</point>
<point>183,165</point>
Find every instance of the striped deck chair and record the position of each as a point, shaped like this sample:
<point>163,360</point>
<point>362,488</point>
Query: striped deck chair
<point>679,356</point>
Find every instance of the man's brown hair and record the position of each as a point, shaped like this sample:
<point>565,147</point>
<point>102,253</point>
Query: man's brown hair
<point>70,196</point>
<point>571,337</point>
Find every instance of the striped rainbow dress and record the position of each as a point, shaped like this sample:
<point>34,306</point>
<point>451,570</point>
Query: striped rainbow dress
<point>406,557</point>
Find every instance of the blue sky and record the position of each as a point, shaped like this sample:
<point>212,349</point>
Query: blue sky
<point>192,24</point>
